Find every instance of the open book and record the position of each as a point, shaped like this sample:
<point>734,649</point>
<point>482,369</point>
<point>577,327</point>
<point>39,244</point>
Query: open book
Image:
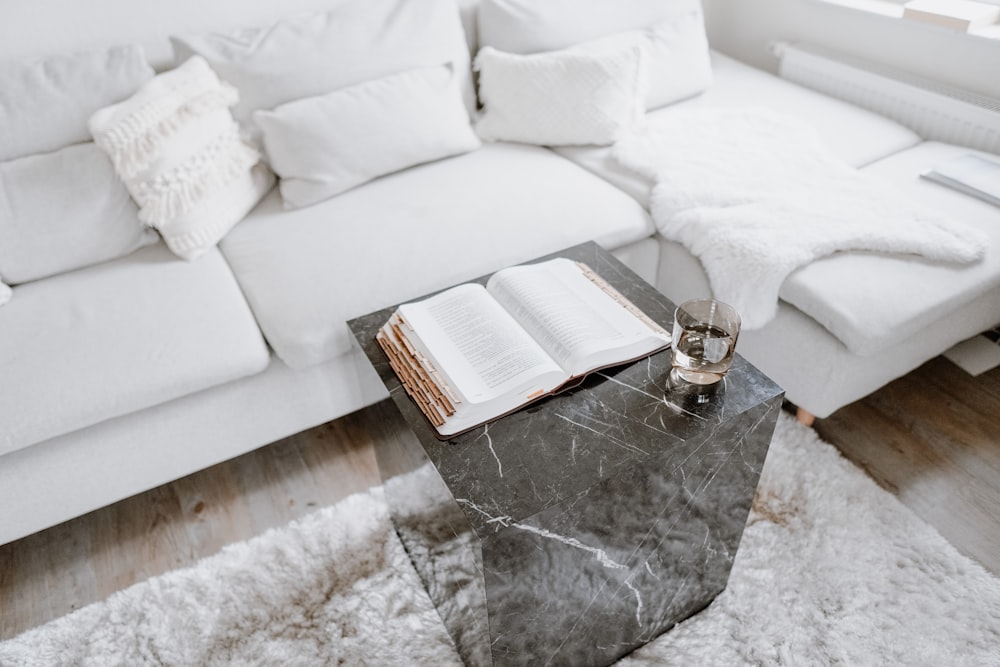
<point>472,354</point>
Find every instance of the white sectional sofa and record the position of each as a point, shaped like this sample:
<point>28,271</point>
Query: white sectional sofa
<point>122,375</point>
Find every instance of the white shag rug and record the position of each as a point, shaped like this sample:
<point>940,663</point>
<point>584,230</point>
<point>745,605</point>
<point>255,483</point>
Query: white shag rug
<point>832,570</point>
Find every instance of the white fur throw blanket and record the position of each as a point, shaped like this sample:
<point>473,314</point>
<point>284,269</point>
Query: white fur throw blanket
<point>755,195</point>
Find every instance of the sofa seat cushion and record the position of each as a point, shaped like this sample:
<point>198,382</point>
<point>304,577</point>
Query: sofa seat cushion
<point>869,300</point>
<point>307,271</point>
<point>852,133</point>
<point>97,343</point>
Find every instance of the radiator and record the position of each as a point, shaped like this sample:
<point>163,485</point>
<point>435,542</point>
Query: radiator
<point>932,109</point>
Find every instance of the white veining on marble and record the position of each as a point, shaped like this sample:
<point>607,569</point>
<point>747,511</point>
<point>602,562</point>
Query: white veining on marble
<point>500,521</point>
<point>581,616</point>
<point>638,601</point>
<point>706,547</point>
<point>751,431</point>
<point>618,441</point>
<point>649,370</point>
<point>508,522</point>
<point>633,388</point>
<point>677,593</point>
<point>601,555</point>
<point>489,441</point>
<point>704,484</point>
<point>659,399</point>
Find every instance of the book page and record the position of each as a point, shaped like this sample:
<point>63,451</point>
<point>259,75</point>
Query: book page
<point>577,322</point>
<point>479,347</point>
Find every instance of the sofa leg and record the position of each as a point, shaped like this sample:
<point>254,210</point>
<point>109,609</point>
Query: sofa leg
<point>805,417</point>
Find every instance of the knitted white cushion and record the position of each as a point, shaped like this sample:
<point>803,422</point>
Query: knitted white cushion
<point>322,146</point>
<point>180,153</point>
<point>568,97</point>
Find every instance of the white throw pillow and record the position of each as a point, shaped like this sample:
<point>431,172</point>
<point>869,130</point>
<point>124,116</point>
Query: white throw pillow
<point>312,54</point>
<point>64,210</point>
<point>45,102</point>
<point>559,98</point>
<point>322,146</point>
<point>5,294</point>
<point>673,32</point>
<point>680,64</point>
<point>180,153</point>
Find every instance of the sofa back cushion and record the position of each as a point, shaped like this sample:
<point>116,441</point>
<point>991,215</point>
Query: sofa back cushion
<point>394,122</point>
<point>564,97</point>
<point>61,205</point>
<point>45,102</point>
<point>64,210</point>
<point>312,54</point>
<point>672,32</point>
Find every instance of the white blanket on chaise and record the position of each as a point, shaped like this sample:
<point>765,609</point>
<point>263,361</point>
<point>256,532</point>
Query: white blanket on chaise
<point>755,194</point>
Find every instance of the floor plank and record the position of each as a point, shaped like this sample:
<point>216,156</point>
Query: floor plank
<point>51,573</point>
<point>933,439</point>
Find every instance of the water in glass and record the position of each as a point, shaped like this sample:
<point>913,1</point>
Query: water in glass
<point>703,352</point>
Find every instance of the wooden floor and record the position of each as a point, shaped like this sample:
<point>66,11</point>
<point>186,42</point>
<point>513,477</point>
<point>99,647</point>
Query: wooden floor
<point>933,438</point>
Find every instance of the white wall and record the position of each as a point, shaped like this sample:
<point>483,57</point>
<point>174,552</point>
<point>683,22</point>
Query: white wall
<point>743,29</point>
<point>740,28</point>
<point>30,28</point>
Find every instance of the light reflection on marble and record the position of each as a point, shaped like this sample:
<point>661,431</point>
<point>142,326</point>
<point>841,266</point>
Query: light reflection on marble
<point>444,549</point>
<point>580,528</point>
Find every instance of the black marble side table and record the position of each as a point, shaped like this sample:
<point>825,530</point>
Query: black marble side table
<point>580,528</point>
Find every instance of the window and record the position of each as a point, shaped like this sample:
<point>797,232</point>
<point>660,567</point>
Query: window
<point>976,17</point>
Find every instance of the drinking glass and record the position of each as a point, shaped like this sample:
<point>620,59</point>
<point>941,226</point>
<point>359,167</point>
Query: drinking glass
<point>704,340</point>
